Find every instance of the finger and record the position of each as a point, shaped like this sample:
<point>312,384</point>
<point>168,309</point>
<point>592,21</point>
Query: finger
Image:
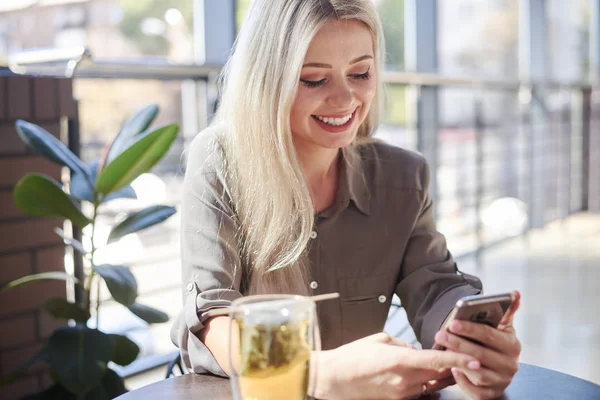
<point>437,385</point>
<point>437,360</point>
<point>387,339</point>
<point>470,389</point>
<point>397,342</point>
<point>432,374</point>
<point>487,357</point>
<point>507,320</point>
<point>485,377</point>
<point>503,341</point>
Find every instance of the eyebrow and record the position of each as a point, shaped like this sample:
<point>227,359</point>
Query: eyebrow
<point>321,65</point>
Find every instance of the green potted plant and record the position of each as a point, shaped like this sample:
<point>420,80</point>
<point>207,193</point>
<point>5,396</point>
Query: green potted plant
<point>79,355</point>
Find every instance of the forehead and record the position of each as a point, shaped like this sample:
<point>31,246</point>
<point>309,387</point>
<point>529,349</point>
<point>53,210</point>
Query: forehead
<point>340,40</point>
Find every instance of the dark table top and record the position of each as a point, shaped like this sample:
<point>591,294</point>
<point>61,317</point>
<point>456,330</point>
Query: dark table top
<point>530,383</point>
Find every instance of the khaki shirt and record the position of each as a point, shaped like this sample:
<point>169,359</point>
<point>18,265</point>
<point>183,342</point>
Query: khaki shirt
<point>378,238</point>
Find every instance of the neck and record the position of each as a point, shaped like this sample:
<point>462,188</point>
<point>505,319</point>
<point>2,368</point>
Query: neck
<point>319,165</point>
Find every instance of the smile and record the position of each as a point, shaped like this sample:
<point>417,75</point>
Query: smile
<point>335,121</point>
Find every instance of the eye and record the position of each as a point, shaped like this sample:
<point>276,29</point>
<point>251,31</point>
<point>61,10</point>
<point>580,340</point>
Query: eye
<point>313,84</point>
<point>364,76</point>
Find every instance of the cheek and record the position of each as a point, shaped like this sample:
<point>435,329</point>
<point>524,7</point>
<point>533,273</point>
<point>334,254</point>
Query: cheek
<point>298,115</point>
<point>367,93</point>
<point>303,106</point>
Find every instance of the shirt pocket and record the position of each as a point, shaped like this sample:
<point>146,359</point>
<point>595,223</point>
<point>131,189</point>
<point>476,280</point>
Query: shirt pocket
<point>365,303</point>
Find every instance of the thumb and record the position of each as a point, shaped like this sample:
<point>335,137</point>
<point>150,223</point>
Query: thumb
<point>507,320</point>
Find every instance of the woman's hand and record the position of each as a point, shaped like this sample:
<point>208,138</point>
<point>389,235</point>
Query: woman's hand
<point>498,353</point>
<point>382,367</point>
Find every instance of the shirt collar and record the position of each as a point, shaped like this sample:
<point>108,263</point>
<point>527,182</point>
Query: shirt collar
<point>353,184</point>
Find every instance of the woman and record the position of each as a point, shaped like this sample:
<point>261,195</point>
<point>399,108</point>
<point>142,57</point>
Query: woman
<point>285,192</point>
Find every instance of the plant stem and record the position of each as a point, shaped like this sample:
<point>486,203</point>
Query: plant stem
<point>88,285</point>
<point>98,281</point>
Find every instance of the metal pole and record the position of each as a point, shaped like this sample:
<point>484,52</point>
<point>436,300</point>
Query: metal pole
<point>74,144</point>
<point>479,182</point>
<point>590,142</point>
<point>214,35</point>
<point>421,56</point>
<point>586,128</point>
<point>565,152</point>
<point>533,61</point>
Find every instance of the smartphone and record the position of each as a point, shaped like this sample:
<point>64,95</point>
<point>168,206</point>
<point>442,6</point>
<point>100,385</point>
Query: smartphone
<point>486,309</point>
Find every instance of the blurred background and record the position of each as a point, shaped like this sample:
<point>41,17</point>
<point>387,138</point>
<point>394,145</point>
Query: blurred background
<point>500,96</point>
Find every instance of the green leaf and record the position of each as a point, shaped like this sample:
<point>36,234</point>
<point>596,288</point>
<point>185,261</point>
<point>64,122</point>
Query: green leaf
<point>141,220</point>
<point>132,127</point>
<point>44,143</point>
<point>120,282</point>
<point>45,276</point>
<point>79,187</point>
<point>148,314</point>
<point>79,357</point>
<point>41,196</point>
<point>41,356</point>
<point>137,159</point>
<point>124,351</point>
<point>60,308</point>
<point>126,192</point>
<point>112,384</point>
<point>74,243</point>
<point>82,191</point>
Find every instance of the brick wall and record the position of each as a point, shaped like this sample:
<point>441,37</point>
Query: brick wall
<point>27,245</point>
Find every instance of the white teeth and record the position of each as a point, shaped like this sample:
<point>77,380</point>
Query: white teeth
<point>335,121</point>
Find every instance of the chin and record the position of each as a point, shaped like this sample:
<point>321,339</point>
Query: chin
<point>343,140</point>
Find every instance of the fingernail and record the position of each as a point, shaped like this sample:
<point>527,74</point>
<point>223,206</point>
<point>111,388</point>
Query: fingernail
<point>474,365</point>
<point>455,371</point>
<point>456,326</point>
<point>441,337</point>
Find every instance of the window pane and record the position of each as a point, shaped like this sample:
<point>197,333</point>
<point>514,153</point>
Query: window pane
<point>241,9</point>
<point>391,13</point>
<point>478,38</point>
<point>568,36</point>
<point>110,28</point>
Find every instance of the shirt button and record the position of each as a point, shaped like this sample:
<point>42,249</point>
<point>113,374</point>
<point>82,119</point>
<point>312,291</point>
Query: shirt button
<point>313,235</point>
<point>382,299</point>
<point>190,287</point>
<point>314,285</point>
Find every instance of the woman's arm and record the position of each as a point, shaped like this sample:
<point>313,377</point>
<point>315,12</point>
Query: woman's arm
<point>215,337</point>
<point>430,283</point>
<point>210,258</point>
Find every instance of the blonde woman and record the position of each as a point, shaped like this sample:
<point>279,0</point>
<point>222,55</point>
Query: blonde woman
<point>285,192</point>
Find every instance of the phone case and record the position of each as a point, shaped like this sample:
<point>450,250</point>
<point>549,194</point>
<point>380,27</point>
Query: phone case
<point>485,309</point>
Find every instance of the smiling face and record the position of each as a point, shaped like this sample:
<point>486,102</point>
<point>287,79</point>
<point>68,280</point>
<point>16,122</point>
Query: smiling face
<point>337,86</point>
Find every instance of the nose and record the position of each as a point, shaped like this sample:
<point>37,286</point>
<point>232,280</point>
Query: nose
<point>341,97</point>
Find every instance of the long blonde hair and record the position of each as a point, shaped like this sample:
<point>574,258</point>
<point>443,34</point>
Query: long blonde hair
<point>269,193</point>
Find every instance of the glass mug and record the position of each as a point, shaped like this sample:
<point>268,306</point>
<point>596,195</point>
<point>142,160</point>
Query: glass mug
<point>270,344</point>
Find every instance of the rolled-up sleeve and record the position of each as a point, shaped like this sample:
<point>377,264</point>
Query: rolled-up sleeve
<point>211,269</point>
<point>430,283</point>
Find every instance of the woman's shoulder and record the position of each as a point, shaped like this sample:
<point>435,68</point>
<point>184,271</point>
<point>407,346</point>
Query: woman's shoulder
<point>390,166</point>
<point>204,156</point>
<point>205,150</point>
<point>205,145</point>
<point>380,151</point>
